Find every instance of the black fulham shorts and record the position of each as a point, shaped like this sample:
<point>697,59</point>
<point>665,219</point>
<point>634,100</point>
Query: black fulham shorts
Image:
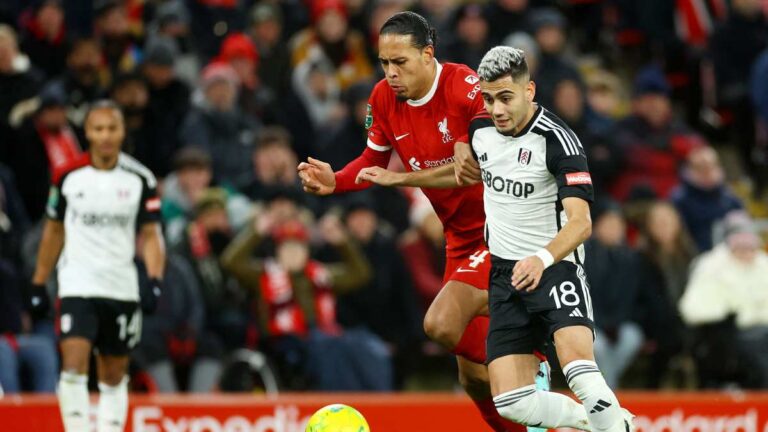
<point>523,321</point>
<point>112,326</point>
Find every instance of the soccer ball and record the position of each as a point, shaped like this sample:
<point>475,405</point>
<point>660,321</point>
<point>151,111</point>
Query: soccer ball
<point>337,418</point>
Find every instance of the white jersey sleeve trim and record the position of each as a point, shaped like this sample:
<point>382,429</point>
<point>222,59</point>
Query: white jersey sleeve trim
<point>134,165</point>
<point>377,147</point>
<point>565,140</point>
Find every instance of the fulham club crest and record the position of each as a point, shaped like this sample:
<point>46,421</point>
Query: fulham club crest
<point>524,156</point>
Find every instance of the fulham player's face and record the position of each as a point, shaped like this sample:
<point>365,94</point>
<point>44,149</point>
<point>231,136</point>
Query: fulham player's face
<point>105,131</point>
<point>509,102</point>
<point>406,67</point>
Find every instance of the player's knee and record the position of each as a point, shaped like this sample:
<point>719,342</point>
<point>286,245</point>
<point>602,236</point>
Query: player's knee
<point>436,328</point>
<point>517,405</point>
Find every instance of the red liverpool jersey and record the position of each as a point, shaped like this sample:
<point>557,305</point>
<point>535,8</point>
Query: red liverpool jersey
<point>423,133</point>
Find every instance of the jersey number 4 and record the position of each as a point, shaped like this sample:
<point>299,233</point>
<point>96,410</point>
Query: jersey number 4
<point>567,295</point>
<point>130,329</point>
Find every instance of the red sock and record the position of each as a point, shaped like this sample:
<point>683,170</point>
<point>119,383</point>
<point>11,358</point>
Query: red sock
<point>472,343</point>
<point>495,421</point>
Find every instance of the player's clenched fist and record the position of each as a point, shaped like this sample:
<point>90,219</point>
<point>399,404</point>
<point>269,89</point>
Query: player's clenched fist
<point>317,177</point>
<point>527,273</point>
<point>465,166</point>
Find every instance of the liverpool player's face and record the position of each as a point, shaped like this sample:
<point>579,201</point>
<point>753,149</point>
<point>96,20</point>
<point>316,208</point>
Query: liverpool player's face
<point>406,67</point>
<point>105,132</point>
<point>509,102</point>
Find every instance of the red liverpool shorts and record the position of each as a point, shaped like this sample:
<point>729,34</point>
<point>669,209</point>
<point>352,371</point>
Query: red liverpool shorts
<point>474,269</point>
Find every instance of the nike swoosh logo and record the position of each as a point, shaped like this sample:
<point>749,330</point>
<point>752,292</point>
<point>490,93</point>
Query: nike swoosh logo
<point>461,270</point>
<point>398,138</point>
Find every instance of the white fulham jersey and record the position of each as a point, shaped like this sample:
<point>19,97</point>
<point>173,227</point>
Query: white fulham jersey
<point>525,178</point>
<point>101,211</point>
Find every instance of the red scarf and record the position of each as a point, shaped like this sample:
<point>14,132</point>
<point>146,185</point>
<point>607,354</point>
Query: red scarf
<point>63,151</point>
<point>285,314</point>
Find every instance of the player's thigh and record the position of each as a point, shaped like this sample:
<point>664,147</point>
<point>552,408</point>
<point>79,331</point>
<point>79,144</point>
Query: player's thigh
<point>453,307</point>
<point>119,327</point>
<point>563,304</point>
<point>511,372</point>
<point>511,329</point>
<point>77,325</point>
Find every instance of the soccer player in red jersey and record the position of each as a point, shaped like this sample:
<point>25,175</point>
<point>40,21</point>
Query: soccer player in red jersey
<point>421,109</point>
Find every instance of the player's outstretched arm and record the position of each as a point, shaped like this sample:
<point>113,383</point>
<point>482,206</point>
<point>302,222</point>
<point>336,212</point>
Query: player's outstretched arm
<point>527,272</point>
<point>441,177</point>
<point>48,253</point>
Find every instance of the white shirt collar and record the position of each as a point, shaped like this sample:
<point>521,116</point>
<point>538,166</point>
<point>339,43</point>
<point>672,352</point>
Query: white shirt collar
<point>431,93</point>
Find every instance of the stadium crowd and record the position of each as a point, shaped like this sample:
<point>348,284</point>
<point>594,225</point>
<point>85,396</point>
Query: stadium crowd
<point>223,98</point>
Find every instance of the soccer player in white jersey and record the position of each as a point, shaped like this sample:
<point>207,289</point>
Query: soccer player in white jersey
<point>537,191</point>
<point>94,213</point>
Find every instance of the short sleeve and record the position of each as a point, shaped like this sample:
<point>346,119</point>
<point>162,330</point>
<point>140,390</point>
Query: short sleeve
<point>567,162</point>
<point>478,122</point>
<point>56,207</point>
<point>375,124</point>
<point>149,210</point>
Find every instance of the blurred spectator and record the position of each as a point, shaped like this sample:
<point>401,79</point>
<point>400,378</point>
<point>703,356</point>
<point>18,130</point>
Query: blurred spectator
<point>319,96</point>
<point>667,251</point>
<point>21,350</point>
<point>734,47</point>
<point>728,281</point>
<point>205,239</point>
<point>172,21</point>
<point>130,93</point>
<point>605,94</point>
<point>594,131</point>
<point>18,81</point>
<point>120,47</point>
<point>212,20</point>
<point>274,164</point>
<point>653,142</point>
<point>471,40</point>
<point>255,99</point>
<point>82,81</point>
<point>423,250</point>
<point>44,37</point>
<point>186,186</point>
<point>549,29</point>
<point>439,14</point>
<point>614,276</point>
<point>169,103</point>
<point>13,218</point>
<point>297,305</point>
<point>507,16</point>
<point>266,31</point>
<point>330,42</point>
<point>389,288</point>
<point>343,145</point>
<point>44,148</point>
<point>703,198</point>
<point>174,339</point>
<point>220,127</point>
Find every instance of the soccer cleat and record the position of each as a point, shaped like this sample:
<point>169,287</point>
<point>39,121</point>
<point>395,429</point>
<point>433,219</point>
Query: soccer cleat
<point>629,424</point>
<point>543,381</point>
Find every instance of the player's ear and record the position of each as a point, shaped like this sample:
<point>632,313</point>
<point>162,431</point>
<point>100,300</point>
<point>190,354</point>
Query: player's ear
<point>530,91</point>
<point>427,54</point>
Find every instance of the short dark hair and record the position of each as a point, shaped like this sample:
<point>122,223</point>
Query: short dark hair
<point>103,104</point>
<point>273,135</point>
<point>413,24</point>
<point>501,61</point>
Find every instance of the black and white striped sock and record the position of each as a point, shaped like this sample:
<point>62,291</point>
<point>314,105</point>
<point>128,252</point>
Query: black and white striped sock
<point>603,410</point>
